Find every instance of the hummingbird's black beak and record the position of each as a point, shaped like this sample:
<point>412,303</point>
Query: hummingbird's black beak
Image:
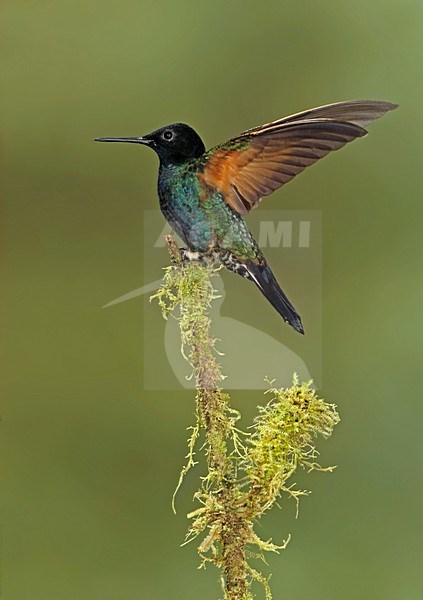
<point>131,140</point>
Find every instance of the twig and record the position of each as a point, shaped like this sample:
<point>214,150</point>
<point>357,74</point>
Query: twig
<point>244,477</point>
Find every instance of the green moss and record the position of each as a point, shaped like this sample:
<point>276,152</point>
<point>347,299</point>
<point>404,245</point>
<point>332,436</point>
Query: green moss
<point>283,439</point>
<point>247,473</point>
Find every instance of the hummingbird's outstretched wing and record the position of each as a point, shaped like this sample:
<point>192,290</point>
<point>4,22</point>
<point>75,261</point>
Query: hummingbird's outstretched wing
<point>262,159</point>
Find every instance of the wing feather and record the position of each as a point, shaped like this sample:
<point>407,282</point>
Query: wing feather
<point>359,112</point>
<point>264,158</point>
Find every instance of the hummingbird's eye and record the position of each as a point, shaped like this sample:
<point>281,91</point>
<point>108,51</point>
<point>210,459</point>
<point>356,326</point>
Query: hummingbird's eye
<point>168,135</point>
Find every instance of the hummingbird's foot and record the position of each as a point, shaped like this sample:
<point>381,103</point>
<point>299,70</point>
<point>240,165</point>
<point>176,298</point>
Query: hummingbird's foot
<point>204,258</point>
<point>188,255</point>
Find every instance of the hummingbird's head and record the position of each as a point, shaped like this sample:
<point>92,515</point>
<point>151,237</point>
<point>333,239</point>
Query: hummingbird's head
<point>174,144</point>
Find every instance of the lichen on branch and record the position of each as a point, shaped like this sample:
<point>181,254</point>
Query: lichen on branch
<point>246,473</point>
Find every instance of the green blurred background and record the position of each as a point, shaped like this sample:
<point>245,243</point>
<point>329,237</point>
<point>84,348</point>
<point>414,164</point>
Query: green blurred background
<point>92,458</point>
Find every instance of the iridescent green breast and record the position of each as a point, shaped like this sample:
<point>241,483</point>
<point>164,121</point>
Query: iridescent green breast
<point>199,214</point>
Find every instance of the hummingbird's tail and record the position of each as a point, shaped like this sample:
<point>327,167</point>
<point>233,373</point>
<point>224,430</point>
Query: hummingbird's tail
<point>266,282</point>
<point>269,287</point>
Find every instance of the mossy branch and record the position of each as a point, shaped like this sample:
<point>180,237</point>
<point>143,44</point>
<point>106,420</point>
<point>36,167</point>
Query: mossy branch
<point>246,474</point>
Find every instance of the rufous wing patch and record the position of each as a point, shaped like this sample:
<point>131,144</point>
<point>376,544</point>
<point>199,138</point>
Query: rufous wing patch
<point>260,160</point>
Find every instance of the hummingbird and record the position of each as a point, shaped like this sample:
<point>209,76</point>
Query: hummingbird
<point>204,195</point>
